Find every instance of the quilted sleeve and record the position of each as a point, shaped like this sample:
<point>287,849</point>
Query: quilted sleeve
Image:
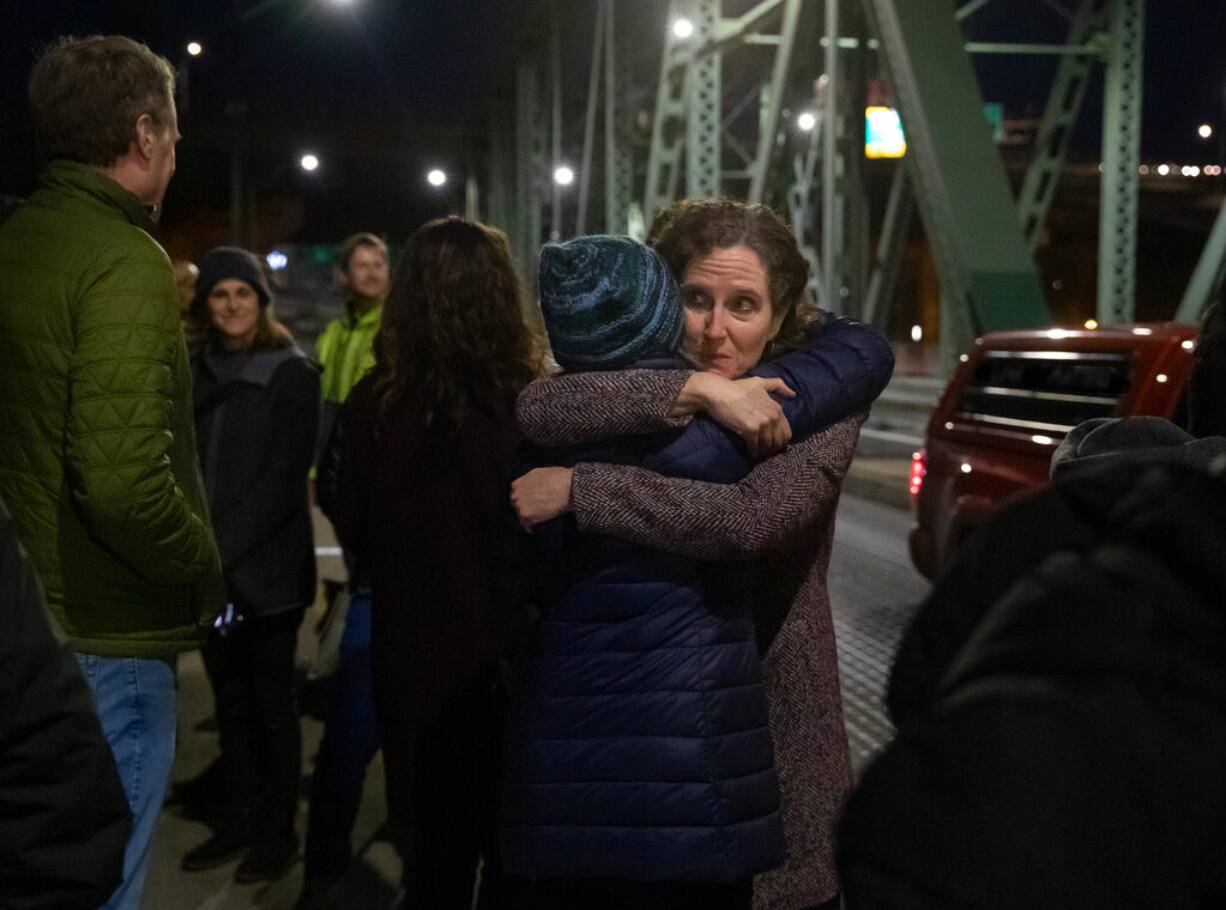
<point>121,422</point>
<point>582,407</point>
<point>839,370</point>
<point>781,496</point>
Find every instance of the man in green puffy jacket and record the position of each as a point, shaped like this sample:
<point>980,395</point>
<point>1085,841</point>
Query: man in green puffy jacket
<point>97,452</point>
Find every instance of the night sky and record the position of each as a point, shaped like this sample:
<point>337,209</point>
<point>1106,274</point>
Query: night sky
<point>382,90</point>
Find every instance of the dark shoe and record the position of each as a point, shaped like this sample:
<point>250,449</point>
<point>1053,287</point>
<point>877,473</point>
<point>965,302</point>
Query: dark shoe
<point>267,860</point>
<point>320,893</point>
<point>224,846</point>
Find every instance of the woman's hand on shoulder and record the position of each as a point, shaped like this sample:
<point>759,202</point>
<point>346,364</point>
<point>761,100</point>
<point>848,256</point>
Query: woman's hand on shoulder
<point>744,406</point>
<point>541,495</point>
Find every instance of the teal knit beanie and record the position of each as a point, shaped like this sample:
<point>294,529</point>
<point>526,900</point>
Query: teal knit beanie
<point>608,302</point>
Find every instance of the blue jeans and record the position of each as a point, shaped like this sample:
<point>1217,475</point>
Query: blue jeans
<point>350,741</point>
<point>136,703</point>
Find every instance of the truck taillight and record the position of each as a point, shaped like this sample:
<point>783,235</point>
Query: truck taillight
<point>919,467</point>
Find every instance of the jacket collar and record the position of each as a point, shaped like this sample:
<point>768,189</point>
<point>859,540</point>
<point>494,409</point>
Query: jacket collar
<point>370,316</point>
<point>86,183</point>
<point>259,368</point>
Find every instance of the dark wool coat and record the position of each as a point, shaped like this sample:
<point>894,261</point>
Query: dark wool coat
<point>256,423</point>
<point>779,521</point>
<point>424,512</point>
<point>1069,755</point>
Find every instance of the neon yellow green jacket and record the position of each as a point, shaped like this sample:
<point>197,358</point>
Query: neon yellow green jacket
<point>345,350</point>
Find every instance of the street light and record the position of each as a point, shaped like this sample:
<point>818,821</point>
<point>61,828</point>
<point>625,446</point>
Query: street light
<point>436,177</point>
<point>806,121</point>
<point>195,48</point>
<point>1205,131</point>
<point>563,175</point>
<point>683,28</point>
<point>309,162</point>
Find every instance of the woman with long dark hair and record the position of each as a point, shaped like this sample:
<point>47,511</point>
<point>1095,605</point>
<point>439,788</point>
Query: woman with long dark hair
<point>428,435</point>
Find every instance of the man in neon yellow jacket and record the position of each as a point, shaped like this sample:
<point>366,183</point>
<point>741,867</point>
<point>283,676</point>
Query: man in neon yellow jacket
<point>345,348</point>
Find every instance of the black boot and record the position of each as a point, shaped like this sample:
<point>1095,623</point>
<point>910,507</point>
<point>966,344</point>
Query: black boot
<point>225,845</point>
<point>268,858</point>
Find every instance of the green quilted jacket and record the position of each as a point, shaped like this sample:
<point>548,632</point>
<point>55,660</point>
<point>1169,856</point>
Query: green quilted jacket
<point>97,446</point>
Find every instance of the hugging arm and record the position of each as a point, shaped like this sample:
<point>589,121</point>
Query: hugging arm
<point>780,496</point>
<point>838,370</point>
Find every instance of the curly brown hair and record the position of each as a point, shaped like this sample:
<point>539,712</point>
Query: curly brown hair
<point>453,335</point>
<point>695,227</point>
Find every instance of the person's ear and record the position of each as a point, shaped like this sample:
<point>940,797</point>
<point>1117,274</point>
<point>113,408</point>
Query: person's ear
<point>146,136</point>
<point>776,325</point>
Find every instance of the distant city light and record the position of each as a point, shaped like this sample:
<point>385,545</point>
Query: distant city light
<point>1143,170</point>
<point>563,176</point>
<point>1188,345</point>
<point>965,467</point>
<point>276,260</point>
<point>806,121</point>
<point>917,333</point>
<point>1142,330</point>
<point>309,162</point>
<point>1091,324</point>
<point>1191,171</point>
<point>683,28</point>
<point>1163,170</point>
<point>1162,377</point>
<point>195,48</point>
<point>1205,131</point>
<point>436,177</point>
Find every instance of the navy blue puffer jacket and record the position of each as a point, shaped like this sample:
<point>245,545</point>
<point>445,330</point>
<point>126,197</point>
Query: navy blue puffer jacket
<point>638,744</point>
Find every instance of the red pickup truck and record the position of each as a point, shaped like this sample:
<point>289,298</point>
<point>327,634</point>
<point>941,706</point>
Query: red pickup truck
<point>1009,404</point>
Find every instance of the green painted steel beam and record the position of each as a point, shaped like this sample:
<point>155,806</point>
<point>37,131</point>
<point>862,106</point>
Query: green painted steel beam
<point>704,103</point>
<point>1209,276</point>
<point>1117,225</point>
<point>1059,117</point>
<point>988,278</point>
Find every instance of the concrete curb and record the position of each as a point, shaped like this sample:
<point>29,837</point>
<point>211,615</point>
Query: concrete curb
<point>882,480</point>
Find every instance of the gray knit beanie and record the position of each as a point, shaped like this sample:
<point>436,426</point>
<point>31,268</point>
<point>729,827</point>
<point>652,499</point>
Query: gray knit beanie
<point>224,262</point>
<point>608,302</point>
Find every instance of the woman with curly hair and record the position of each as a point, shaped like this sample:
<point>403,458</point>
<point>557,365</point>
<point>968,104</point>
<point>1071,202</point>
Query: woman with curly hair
<point>428,435</point>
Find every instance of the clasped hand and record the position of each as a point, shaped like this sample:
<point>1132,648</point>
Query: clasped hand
<point>540,495</point>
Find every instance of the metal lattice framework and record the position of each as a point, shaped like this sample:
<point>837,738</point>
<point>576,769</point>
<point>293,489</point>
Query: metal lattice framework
<point>1086,31</point>
<point>1121,150</point>
<point>704,106</point>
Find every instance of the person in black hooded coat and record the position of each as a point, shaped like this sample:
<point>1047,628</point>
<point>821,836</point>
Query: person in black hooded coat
<point>65,819</point>
<point>1060,696</point>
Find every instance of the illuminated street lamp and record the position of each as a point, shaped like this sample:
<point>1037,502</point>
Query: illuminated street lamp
<point>563,175</point>
<point>682,28</point>
<point>195,48</point>
<point>309,162</point>
<point>1205,131</point>
<point>806,121</point>
<point>436,177</point>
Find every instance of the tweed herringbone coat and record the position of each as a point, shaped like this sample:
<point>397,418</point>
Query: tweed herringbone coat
<point>782,517</point>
